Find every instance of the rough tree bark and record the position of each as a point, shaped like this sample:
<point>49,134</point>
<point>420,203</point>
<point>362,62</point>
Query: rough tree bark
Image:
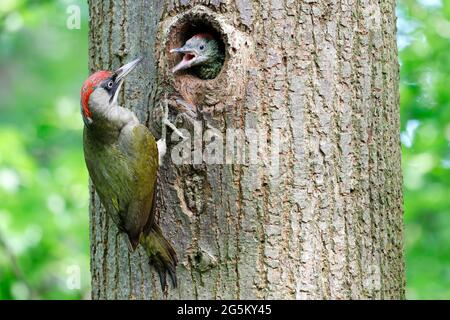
<point>319,79</point>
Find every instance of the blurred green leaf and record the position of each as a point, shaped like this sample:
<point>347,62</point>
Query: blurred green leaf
<point>43,180</point>
<point>424,43</point>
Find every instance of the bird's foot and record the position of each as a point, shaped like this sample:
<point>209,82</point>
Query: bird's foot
<point>162,143</point>
<point>174,128</point>
<point>166,122</point>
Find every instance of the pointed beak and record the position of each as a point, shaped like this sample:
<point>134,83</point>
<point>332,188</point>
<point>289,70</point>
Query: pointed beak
<point>190,56</point>
<point>120,74</point>
<point>123,71</point>
<point>178,50</point>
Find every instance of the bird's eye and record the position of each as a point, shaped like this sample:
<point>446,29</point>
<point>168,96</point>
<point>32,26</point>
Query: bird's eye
<point>202,47</point>
<point>110,84</point>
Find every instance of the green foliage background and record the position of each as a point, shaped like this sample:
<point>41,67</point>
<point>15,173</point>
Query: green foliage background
<point>44,240</point>
<point>424,46</point>
<point>43,194</point>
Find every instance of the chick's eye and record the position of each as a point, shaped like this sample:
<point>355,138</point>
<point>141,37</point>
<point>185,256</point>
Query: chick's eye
<point>202,47</point>
<point>110,84</point>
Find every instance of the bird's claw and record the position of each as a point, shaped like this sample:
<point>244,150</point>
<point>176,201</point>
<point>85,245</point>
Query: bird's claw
<point>174,128</point>
<point>162,143</point>
<point>166,122</point>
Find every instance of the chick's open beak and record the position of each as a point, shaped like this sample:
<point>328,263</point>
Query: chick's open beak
<point>188,60</point>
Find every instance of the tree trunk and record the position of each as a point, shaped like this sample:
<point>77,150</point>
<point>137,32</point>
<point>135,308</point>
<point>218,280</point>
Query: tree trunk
<point>313,86</point>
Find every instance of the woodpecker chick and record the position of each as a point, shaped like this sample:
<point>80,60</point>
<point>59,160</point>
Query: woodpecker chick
<point>202,54</point>
<point>122,158</point>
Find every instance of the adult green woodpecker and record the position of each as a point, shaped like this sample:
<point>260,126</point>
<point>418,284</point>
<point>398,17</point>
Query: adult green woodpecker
<point>202,54</point>
<point>122,158</point>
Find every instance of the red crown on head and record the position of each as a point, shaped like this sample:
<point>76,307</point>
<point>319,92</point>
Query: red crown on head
<point>89,87</point>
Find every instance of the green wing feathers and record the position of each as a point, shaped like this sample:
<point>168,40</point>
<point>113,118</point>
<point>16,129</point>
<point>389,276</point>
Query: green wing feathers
<point>124,173</point>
